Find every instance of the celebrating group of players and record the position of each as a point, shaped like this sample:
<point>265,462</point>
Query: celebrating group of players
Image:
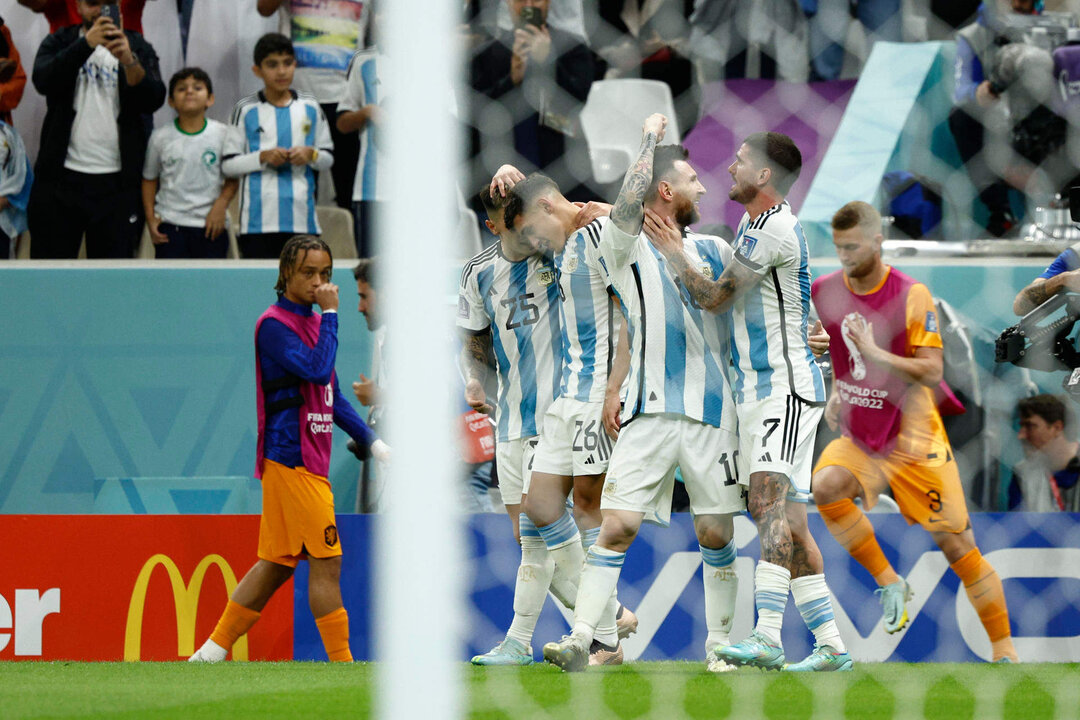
<point>697,354</point>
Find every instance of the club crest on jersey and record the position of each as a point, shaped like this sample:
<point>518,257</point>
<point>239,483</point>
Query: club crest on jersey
<point>209,158</point>
<point>931,321</point>
<point>706,270</point>
<point>546,276</point>
<point>305,128</point>
<point>570,264</point>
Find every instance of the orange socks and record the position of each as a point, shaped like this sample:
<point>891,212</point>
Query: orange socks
<point>334,629</point>
<point>987,596</point>
<point>234,622</point>
<point>849,525</point>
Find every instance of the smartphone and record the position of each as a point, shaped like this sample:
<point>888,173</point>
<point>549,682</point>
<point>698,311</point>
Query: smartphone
<point>531,16</point>
<point>112,11</point>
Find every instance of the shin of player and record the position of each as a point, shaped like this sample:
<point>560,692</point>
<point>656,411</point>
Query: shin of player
<point>779,394</point>
<point>298,398</point>
<point>887,355</point>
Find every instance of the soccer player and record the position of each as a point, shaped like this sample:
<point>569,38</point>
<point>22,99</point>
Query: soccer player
<point>279,144</point>
<point>297,397</point>
<point>679,399</point>
<point>779,394</point>
<point>574,449</point>
<point>508,305</point>
<point>887,358</point>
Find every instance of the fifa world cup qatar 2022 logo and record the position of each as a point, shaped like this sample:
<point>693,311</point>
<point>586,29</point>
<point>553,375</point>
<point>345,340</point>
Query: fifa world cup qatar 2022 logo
<point>856,364</point>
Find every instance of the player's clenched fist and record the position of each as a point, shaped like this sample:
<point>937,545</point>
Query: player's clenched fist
<point>655,123</point>
<point>326,295</point>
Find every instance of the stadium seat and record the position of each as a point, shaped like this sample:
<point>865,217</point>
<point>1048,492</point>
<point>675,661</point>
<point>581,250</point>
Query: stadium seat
<point>612,119</point>
<point>337,231</point>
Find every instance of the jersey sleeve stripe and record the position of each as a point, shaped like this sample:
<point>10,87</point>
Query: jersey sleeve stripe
<point>477,260</point>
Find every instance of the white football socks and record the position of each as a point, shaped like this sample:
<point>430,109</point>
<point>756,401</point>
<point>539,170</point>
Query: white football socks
<point>598,581</point>
<point>721,588</point>
<point>533,580</point>
<point>811,596</point>
<point>564,544</point>
<point>771,583</point>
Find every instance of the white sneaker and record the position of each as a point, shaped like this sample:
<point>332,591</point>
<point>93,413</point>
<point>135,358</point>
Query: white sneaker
<point>210,652</point>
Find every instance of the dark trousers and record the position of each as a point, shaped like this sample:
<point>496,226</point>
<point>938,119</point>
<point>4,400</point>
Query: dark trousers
<point>62,209</point>
<point>263,245</point>
<point>190,242</point>
<point>346,155</point>
<point>364,212</point>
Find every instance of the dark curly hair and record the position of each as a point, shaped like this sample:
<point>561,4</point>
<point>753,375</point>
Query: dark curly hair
<point>292,252</point>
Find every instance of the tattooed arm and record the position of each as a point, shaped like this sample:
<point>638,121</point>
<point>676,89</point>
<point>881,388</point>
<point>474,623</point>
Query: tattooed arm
<point>474,364</point>
<point>1041,289</point>
<point>716,296</point>
<point>629,207</point>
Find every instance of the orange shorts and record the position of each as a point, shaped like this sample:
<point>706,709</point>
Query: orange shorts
<point>297,516</point>
<point>928,494</point>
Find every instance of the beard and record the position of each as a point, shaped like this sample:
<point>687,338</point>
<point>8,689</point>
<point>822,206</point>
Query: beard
<point>685,212</point>
<point>743,194</point>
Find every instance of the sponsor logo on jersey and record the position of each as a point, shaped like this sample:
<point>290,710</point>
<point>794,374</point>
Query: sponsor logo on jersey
<point>462,307</point>
<point>931,321</point>
<point>746,247</point>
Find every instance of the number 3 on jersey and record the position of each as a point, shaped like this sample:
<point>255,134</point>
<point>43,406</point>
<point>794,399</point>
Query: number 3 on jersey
<point>522,312</point>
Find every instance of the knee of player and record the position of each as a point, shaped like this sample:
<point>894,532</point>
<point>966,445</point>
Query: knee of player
<point>713,532</point>
<point>617,533</point>
<point>832,484</point>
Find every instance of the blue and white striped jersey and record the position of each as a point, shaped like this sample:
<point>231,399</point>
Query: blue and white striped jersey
<point>589,315</point>
<point>769,346</point>
<point>518,302</point>
<point>367,85</point>
<point>679,352</point>
<point>278,199</point>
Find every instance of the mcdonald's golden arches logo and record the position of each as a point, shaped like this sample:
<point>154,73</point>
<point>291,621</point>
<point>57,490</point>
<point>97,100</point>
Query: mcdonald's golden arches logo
<point>186,599</point>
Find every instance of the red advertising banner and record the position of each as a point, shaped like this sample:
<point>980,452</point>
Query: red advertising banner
<point>129,587</point>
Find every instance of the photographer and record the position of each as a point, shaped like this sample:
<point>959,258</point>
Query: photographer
<point>978,107</point>
<point>1062,275</point>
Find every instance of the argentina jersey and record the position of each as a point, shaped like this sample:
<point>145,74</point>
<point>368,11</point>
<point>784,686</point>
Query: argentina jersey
<point>678,351</point>
<point>518,302</point>
<point>769,347</point>
<point>589,316</point>
<point>278,199</point>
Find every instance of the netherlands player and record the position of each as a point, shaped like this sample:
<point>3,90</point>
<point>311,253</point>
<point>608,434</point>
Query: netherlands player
<point>679,400</point>
<point>574,449</point>
<point>279,143</point>
<point>508,304</point>
<point>887,355</point>
<point>779,393</point>
<point>298,397</point>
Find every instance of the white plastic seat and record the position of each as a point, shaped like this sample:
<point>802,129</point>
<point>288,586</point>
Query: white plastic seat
<point>611,121</point>
<point>337,231</point>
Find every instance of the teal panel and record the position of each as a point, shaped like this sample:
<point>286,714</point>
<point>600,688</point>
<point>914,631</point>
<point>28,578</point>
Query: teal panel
<point>138,372</point>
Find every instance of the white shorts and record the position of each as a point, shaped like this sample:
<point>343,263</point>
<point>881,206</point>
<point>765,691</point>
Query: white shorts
<point>777,435</point>
<point>512,459</point>
<point>642,471</point>
<point>574,442</point>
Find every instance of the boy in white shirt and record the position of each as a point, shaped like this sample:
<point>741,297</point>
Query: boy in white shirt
<point>185,194</point>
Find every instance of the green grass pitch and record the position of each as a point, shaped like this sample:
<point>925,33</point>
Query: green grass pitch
<point>638,690</point>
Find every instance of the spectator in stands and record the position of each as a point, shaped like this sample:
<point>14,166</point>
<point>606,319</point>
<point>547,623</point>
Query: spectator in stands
<point>277,183</point>
<point>61,13</point>
<point>649,40</point>
<point>723,33</point>
<point>16,179</point>
<point>98,82</point>
<point>976,102</point>
<point>829,21</point>
<point>368,391</point>
<point>185,194</point>
<point>1063,275</point>
<point>539,76</point>
<point>325,36</point>
<point>12,76</point>
<point>360,113</point>
<point>1046,479</point>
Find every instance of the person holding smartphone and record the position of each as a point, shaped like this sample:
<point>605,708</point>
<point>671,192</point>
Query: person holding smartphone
<point>540,75</point>
<point>98,81</point>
